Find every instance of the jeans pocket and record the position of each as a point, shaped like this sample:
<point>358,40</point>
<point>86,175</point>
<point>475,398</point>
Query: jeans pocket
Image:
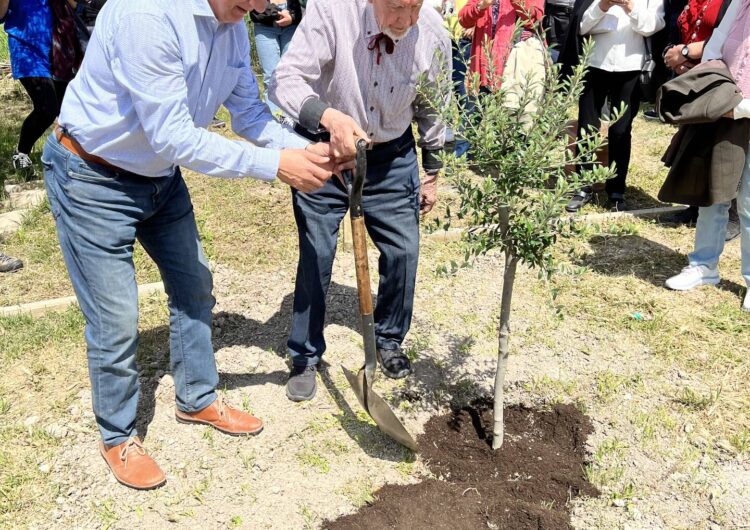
<point>79,170</point>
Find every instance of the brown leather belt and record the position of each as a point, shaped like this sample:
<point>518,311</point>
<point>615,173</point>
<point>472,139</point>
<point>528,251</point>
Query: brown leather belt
<point>70,143</point>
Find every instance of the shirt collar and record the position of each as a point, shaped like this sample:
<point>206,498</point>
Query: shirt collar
<point>201,8</point>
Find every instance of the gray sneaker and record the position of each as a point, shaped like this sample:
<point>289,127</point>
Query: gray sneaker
<point>302,383</point>
<point>8,264</point>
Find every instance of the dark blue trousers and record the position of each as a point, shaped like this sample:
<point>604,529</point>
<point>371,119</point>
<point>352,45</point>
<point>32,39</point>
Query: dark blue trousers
<point>391,207</point>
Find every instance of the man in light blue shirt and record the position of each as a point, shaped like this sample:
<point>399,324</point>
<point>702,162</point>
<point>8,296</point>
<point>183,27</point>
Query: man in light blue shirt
<point>154,75</point>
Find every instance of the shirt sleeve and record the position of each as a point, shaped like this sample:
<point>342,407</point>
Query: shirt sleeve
<point>591,18</point>
<point>291,85</point>
<point>742,110</point>
<point>647,17</point>
<point>713,47</point>
<point>470,14</point>
<point>431,129</point>
<point>146,61</point>
<point>251,118</point>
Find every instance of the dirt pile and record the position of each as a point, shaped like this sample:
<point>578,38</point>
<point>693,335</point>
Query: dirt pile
<point>527,484</point>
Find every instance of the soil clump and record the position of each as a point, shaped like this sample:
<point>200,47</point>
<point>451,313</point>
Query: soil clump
<point>527,484</point>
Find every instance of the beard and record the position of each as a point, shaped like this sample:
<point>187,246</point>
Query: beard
<point>397,36</point>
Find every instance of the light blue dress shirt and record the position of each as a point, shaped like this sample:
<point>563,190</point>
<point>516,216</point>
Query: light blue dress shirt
<point>154,75</point>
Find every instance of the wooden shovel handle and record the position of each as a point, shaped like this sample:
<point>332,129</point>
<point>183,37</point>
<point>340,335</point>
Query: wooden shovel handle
<point>360,261</point>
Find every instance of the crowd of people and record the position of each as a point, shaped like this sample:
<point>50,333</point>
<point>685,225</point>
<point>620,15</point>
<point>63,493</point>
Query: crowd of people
<point>137,110</point>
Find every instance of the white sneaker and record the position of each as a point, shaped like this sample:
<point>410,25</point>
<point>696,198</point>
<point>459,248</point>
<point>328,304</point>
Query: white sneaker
<point>23,165</point>
<point>693,276</point>
<point>746,302</point>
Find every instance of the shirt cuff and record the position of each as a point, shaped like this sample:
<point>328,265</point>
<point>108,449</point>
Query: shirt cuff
<point>310,113</point>
<point>596,12</point>
<point>431,160</point>
<point>742,110</point>
<point>265,164</point>
<point>635,13</point>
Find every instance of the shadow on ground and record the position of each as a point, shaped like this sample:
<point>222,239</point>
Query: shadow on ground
<point>435,383</point>
<point>619,256</point>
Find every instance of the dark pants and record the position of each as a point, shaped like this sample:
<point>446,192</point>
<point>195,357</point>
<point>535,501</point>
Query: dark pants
<point>46,96</point>
<point>556,21</point>
<point>391,210</point>
<point>619,87</point>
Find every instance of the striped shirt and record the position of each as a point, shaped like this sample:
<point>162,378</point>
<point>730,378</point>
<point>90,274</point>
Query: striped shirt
<point>328,60</point>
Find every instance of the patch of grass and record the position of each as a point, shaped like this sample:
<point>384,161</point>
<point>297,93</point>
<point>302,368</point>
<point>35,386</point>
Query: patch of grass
<point>235,522</point>
<point>199,490</point>
<point>418,342</point>
<point>358,492</point>
<point>107,515</point>
<point>311,458</point>
<point>247,459</point>
<point>309,517</point>
<point>741,441</point>
<point>696,400</point>
<point>4,406</point>
<point>20,335</point>
<point>609,385</point>
<point>552,391</point>
<point>4,53</point>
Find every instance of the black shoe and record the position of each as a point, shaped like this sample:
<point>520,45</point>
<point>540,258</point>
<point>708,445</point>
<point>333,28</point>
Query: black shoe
<point>579,199</point>
<point>302,383</point>
<point>651,115</point>
<point>8,264</point>
<point>393,363</point>
<point>687,216</point>
<point>733,229</point>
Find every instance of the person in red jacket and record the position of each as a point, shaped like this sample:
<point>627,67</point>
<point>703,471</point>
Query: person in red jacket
<point>495,20</point>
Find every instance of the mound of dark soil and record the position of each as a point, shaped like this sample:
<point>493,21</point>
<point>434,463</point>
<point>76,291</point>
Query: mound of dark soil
<point>527,484</point>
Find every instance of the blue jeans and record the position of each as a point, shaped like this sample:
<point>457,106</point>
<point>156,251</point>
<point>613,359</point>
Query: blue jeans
<point>99,214</point>
<point>711,228</point>
<point>271,43</point>
<point>391,209</point>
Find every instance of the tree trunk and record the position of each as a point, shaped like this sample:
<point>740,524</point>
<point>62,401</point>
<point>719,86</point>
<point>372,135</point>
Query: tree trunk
<point>509,278</point>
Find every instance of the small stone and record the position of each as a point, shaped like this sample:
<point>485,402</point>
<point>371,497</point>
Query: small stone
<point>56,431</point>
<point>44,468</point>
<point>620,503</point>
<point>688,428</point>
<point>30,421</point>
<point>714,526</point>
<point>275,490</point>
<point>60,500</point>
<point>699,441</point>
<point>724,445</point>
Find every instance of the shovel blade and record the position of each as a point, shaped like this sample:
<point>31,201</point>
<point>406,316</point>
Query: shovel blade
<point>358,385</point>
<point>379,410</point>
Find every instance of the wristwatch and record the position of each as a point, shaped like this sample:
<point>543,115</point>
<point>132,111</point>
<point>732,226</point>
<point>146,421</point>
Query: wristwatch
<point>685,51</point>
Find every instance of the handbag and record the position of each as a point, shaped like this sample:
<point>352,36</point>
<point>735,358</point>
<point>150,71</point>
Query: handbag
<point>647,81</point>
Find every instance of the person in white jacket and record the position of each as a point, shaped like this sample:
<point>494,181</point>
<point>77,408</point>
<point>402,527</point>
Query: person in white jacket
<point>619,29</point>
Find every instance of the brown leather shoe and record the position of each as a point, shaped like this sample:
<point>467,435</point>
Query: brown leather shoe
<point>132,466</point>
<point>224,418</point>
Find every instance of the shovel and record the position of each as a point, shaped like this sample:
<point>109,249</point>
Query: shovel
<point>361,383</point>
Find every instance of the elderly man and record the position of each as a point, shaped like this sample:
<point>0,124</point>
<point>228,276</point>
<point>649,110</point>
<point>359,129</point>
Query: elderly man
<point>153,77</point>
<point>352,69</point>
